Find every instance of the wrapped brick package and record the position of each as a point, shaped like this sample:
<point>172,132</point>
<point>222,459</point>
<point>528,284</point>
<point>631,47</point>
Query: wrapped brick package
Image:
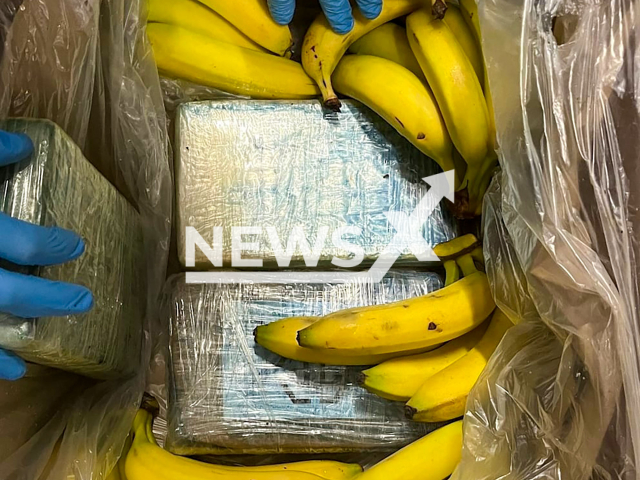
<point>58,186</point>
<point>285,164</point>
<point>228,395</point>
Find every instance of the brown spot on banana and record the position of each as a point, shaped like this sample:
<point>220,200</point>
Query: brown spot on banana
<point>398,120</point>
<point>421,136</point>
<point>432,326</point>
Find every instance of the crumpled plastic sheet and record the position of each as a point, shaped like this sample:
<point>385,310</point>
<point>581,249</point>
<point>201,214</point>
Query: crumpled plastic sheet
<point>559,398</point>
<point>87,66</point>
<point>58,186</point>
<point>290,165</point>
<point>228,395</point>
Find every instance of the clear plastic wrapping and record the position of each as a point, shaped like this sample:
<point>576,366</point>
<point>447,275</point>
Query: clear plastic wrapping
<point>293,165</point>
<point>229,395</point>
<point>87,66</point>
<point>559,397</point>
<point>58,186</point>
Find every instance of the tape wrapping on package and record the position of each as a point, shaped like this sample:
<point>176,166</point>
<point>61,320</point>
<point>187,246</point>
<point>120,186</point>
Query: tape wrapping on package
<point>58,186</point>
<point>228,395</point>
<point>290,165</point>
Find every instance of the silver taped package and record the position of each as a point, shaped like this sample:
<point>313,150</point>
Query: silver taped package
<point>282,165</point>
<point>228,395</point>
<point>58,186</point>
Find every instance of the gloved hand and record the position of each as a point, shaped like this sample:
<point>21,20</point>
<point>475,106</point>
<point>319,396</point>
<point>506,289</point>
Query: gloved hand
<point>23,243</point>
<point>338,12</point>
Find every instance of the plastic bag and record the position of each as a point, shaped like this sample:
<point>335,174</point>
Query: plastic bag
<point>559,397</point>
<point>86,65</point>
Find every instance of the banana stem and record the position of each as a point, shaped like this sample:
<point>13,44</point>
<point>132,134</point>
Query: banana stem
<point>466,264</point>
<point>452,272</point>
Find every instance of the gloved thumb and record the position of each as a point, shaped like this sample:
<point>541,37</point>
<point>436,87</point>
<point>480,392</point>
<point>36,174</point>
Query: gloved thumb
<point>11,366</point>
<point>14,147</point>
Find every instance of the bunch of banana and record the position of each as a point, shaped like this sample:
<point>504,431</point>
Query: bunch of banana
<point>433,457</point>
<point>429,351</point>
<point>437,102</point>
<point>365,335</point>
<point>322,48</point>
<point>214,43</point>
<point>147,460</point>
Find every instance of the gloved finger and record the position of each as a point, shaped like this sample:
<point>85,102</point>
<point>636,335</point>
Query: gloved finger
<point>27,296</point>
<point>370,8</point>
<point>14,147</point>
<point>27,244</point>
<point>282,10</point>
<point>12,367</point>
<point>339,15</point>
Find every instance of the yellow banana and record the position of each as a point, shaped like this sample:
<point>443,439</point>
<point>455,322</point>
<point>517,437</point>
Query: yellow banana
<point>433,457</point>
<point>252,18</point>
<point>389,41</point>
<point>400,378</point>
<point>456,247</point>
<point>180,53</point>
<point>444,396</point>
<point>454,84</point>
<point>280,337</point>
<point>322,48</point>
<point>452,272</point>
<point>406,325</point>
<point>456,22</point>
<point>398,96</point>
<point>146,460</point>
<point>469,10</point>
<point>194,16</point>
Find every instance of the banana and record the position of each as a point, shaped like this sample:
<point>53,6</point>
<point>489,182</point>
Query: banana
<point>454,83</point>
<point>194,16</point>
<point>398,96</point>
<point>280,337</point>
<point>252,18</point>
<point>322,48</point>
<point>456,247</point>
<point>406,325</point>
<point>180,53</point>
<point>118,472</point>
<point>400,378</point>
<point>147,460</point>
<point>469,10</point>
<point>389,41</point>
<point>444,395</point>
<point>456,22</point>
<point>433,457</point>
<point>452,272</point>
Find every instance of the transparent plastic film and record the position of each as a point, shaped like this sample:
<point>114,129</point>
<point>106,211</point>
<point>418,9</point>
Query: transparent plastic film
<point>558,398</point>
<point>87,67</point>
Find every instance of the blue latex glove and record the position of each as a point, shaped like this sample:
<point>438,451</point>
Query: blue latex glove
<point>22,243</point>
<point>338,12</point>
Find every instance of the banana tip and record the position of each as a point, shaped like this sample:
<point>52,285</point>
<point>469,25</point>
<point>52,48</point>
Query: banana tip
<point>333,103</point>
<point>362,378</point>
<point>409,412</point>
<point>439,9</point>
